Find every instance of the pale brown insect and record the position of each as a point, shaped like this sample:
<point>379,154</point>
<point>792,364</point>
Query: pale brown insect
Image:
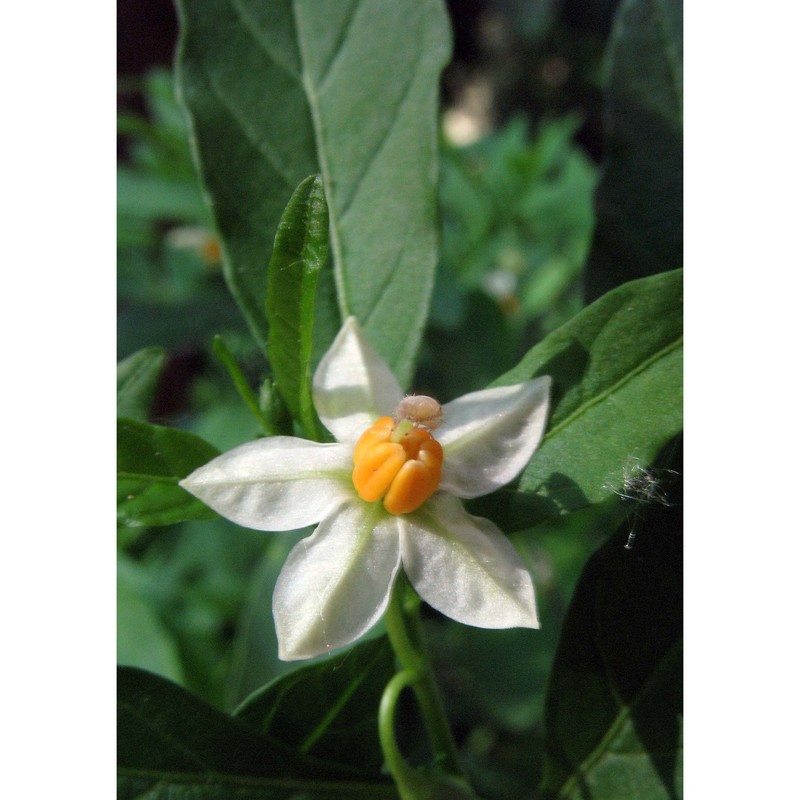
<point>423,411</point>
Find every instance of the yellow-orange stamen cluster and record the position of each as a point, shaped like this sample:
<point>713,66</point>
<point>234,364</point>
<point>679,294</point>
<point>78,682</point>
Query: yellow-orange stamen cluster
<point>397,462</point>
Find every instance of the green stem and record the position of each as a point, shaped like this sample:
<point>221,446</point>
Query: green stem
<point>403,774</point>
<point>405,634</point>
<point>222,352</point>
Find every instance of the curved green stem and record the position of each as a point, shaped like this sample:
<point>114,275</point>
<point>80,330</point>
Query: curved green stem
<point>405,634</point>
<point>403,774</point>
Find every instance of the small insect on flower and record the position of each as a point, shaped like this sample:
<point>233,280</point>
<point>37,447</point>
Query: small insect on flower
<point>421,410</point>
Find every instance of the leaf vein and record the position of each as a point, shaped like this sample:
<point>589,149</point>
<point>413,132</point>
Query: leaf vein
<point>162,735</point>
<point>324,167</point>
<point>378,150</point>
<point>624,713</point>
<point>250,26</point>
<point>337,51</point>
<point>260,146</point>
<point>599,398</point>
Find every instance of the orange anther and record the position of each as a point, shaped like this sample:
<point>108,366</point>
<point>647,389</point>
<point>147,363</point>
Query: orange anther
<point>402,469</point>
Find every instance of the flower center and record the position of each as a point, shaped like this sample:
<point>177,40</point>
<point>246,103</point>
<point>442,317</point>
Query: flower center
<point>397,461</point>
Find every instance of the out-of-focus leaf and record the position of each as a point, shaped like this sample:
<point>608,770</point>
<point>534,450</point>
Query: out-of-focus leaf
<point>614,705</point>
<point>617,396</point>
<point>147,323</point>
<point>300,252</point>
<point>144,196</point>
<point>244,389</point>
<point>170,744</point>
<point>283,90</point>
<point>640,197</point>
<point>151,460</point>
<point>136,382</point>
<point>328,709</point>
<point>517,220</point>
<point>255,649</point>
<point>469,356</point>
<point>142,640</point>
<point>196,577</point>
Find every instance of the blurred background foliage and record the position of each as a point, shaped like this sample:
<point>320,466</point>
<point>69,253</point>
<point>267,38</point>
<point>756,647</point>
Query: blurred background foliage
<point>521,147</point>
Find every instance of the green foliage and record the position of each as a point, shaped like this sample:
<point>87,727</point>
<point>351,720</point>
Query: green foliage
<point>300,252</point>
<point>328,710</point>
<point>255,661</point>
<point>195,577</point>
<point>263,412</point>
<point>616,396</point>
<point>640,197</point>
<point>170,744</point>
<point>169,284</point>
<point>613,716</point>
<point>516,223</point>
<point>136,382</point>
<point>142,639</point>
<point>347,91</point>
<point>151,460</point>
<point>370,133</point>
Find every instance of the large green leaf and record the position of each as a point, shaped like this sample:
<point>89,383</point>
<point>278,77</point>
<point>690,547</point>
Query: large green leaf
<point>281,90</point>
<point>300,252</point>
<point>136,382</point>
<point>617,400</point>
<point>640,197</point>
<point>614,704</point>
<point>151,459</point>
<point>328,709</point>
<point>170,744</point>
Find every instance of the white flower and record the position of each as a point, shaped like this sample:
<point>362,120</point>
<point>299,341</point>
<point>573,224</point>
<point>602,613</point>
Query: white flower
<point>337,582</point>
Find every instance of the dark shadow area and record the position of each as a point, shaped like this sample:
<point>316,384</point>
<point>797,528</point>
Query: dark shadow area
<point>639,206</point>
<point>620,653</point>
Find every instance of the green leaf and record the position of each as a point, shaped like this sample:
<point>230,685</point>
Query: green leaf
<point>255,659</point>
<point>617,400</point>
<point>283,90</point>
<point>142,640</point>
<point>136,382</point>
<point>614,706</point>
<point>239,379</point>
<point>300,252</point>
<point>328,709</point>
<point>150,461</point>
<point>172,745</point>
<point>640,197</point>
<point>152,197</point>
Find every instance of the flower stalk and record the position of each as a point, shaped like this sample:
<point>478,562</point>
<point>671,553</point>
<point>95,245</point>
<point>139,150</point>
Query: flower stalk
<point>404,628</point>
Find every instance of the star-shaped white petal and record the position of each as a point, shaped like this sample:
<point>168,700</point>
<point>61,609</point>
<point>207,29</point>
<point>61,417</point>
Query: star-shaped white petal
<point>337,582</point>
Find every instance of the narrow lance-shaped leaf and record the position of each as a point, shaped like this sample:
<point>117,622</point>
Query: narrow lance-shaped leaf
<point>151,459</point>
<point>239,379</point>
<point>136,382</point>
<point>300,252</point>
<point>617,399</point>
<point>282,90</point>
